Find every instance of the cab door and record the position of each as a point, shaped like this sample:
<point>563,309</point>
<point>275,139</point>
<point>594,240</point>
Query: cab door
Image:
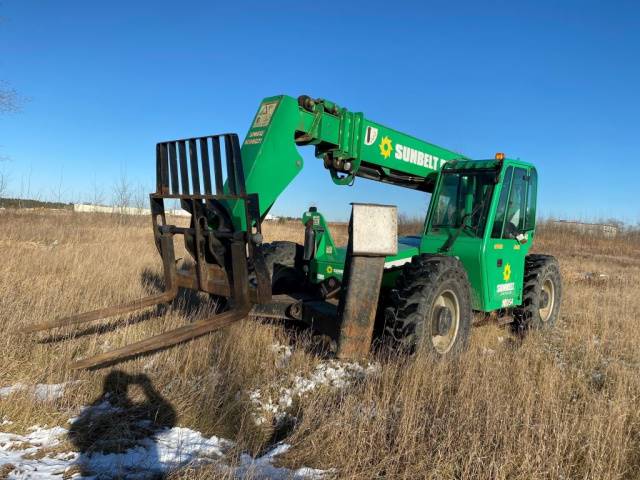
<point>462,197</point>
<point>509,238</point>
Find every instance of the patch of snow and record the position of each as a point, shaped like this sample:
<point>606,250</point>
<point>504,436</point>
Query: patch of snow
<point>43,392</point>
<point>165,451</point>
<point>156,455</point>
<point>262,467</point>
<point>101,408</point>
<point>333,374</point>
<point>14,449</point>
<point>283,353</point>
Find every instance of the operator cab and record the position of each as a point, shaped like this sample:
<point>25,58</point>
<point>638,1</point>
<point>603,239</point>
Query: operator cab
<point>483,212</point>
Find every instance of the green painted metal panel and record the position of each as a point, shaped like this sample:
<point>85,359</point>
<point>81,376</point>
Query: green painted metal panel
<point>389,148</point>
<point>494,263</point>
<point>495,267</point>
<point>269,154</point>
<point>271,159</point>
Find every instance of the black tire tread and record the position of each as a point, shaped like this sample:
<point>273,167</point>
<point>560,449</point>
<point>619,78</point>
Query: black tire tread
<point>414,293</point>
<point>536,268</point>
<point>283,257</point>
<point>280,253</point>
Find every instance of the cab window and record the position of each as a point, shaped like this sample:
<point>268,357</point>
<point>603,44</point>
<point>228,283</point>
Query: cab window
<point>502,204</point>
<point>464,198</point>
<point>530,216</point>
<point>517,202</point>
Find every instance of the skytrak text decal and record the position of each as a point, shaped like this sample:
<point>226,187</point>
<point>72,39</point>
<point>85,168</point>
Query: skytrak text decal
<point>409,155</point>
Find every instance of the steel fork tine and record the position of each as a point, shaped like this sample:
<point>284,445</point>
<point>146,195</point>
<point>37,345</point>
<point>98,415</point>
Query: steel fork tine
<point>101,313</point>
<point>164,340</point>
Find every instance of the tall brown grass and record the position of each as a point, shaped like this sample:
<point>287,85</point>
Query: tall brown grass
<point>557,404</point>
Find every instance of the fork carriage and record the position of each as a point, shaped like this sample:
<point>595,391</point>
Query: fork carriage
<point>221,255</point>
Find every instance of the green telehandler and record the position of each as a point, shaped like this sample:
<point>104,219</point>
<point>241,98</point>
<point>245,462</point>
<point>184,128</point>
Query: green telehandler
<point>421,291</point>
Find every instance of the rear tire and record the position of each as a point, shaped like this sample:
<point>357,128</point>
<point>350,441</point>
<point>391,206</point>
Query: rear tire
<point>430,308</point>
<point>542,293</point>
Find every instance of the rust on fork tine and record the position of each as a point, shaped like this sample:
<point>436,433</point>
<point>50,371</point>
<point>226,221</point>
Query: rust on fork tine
<point>164,340</point>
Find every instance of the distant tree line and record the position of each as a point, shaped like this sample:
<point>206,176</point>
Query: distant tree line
<point>22,203</point>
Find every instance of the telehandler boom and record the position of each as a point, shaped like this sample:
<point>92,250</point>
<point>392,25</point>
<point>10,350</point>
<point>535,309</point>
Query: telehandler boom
<point>472,253</point>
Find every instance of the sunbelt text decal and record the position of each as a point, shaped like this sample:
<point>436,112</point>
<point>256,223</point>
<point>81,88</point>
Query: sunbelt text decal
<point>409,155</point>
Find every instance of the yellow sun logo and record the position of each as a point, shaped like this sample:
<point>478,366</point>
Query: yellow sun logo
<point>385,147</point>
<point>506,274</point>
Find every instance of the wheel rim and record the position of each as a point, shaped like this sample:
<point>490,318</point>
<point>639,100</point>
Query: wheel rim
<point>548,294</point>
<point>443,341</point>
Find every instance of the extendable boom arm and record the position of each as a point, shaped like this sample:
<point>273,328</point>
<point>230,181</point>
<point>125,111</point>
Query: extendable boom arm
<point>349,145</point>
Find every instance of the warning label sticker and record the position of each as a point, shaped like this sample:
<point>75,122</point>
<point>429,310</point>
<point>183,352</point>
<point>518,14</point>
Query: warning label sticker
<point>506,287</point>
<point>264,114</point>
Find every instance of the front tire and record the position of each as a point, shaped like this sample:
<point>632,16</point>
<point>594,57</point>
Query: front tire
<point>542,293</point>
<point>430,308</point>
<point>284,265</point>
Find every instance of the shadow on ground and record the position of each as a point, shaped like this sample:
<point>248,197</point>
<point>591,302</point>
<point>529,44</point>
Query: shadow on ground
<point>115,423</point>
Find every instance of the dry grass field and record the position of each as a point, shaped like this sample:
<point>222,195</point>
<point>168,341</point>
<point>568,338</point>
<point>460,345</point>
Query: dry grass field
<point>557,404</point>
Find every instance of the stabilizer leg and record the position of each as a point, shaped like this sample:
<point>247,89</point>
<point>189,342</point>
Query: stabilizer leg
<point>373,234</point>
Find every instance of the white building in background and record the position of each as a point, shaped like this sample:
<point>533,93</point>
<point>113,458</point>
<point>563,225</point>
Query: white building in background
<point>603,229</point>
<point>88,208</point>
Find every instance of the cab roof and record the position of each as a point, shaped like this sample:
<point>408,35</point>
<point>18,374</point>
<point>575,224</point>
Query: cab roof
<point>466,164</point>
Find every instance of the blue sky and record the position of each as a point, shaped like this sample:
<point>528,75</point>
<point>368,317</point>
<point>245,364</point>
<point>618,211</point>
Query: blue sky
<point>553,83</point>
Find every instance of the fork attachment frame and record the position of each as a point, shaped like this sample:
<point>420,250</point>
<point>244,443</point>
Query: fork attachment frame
<point>221,255</point>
